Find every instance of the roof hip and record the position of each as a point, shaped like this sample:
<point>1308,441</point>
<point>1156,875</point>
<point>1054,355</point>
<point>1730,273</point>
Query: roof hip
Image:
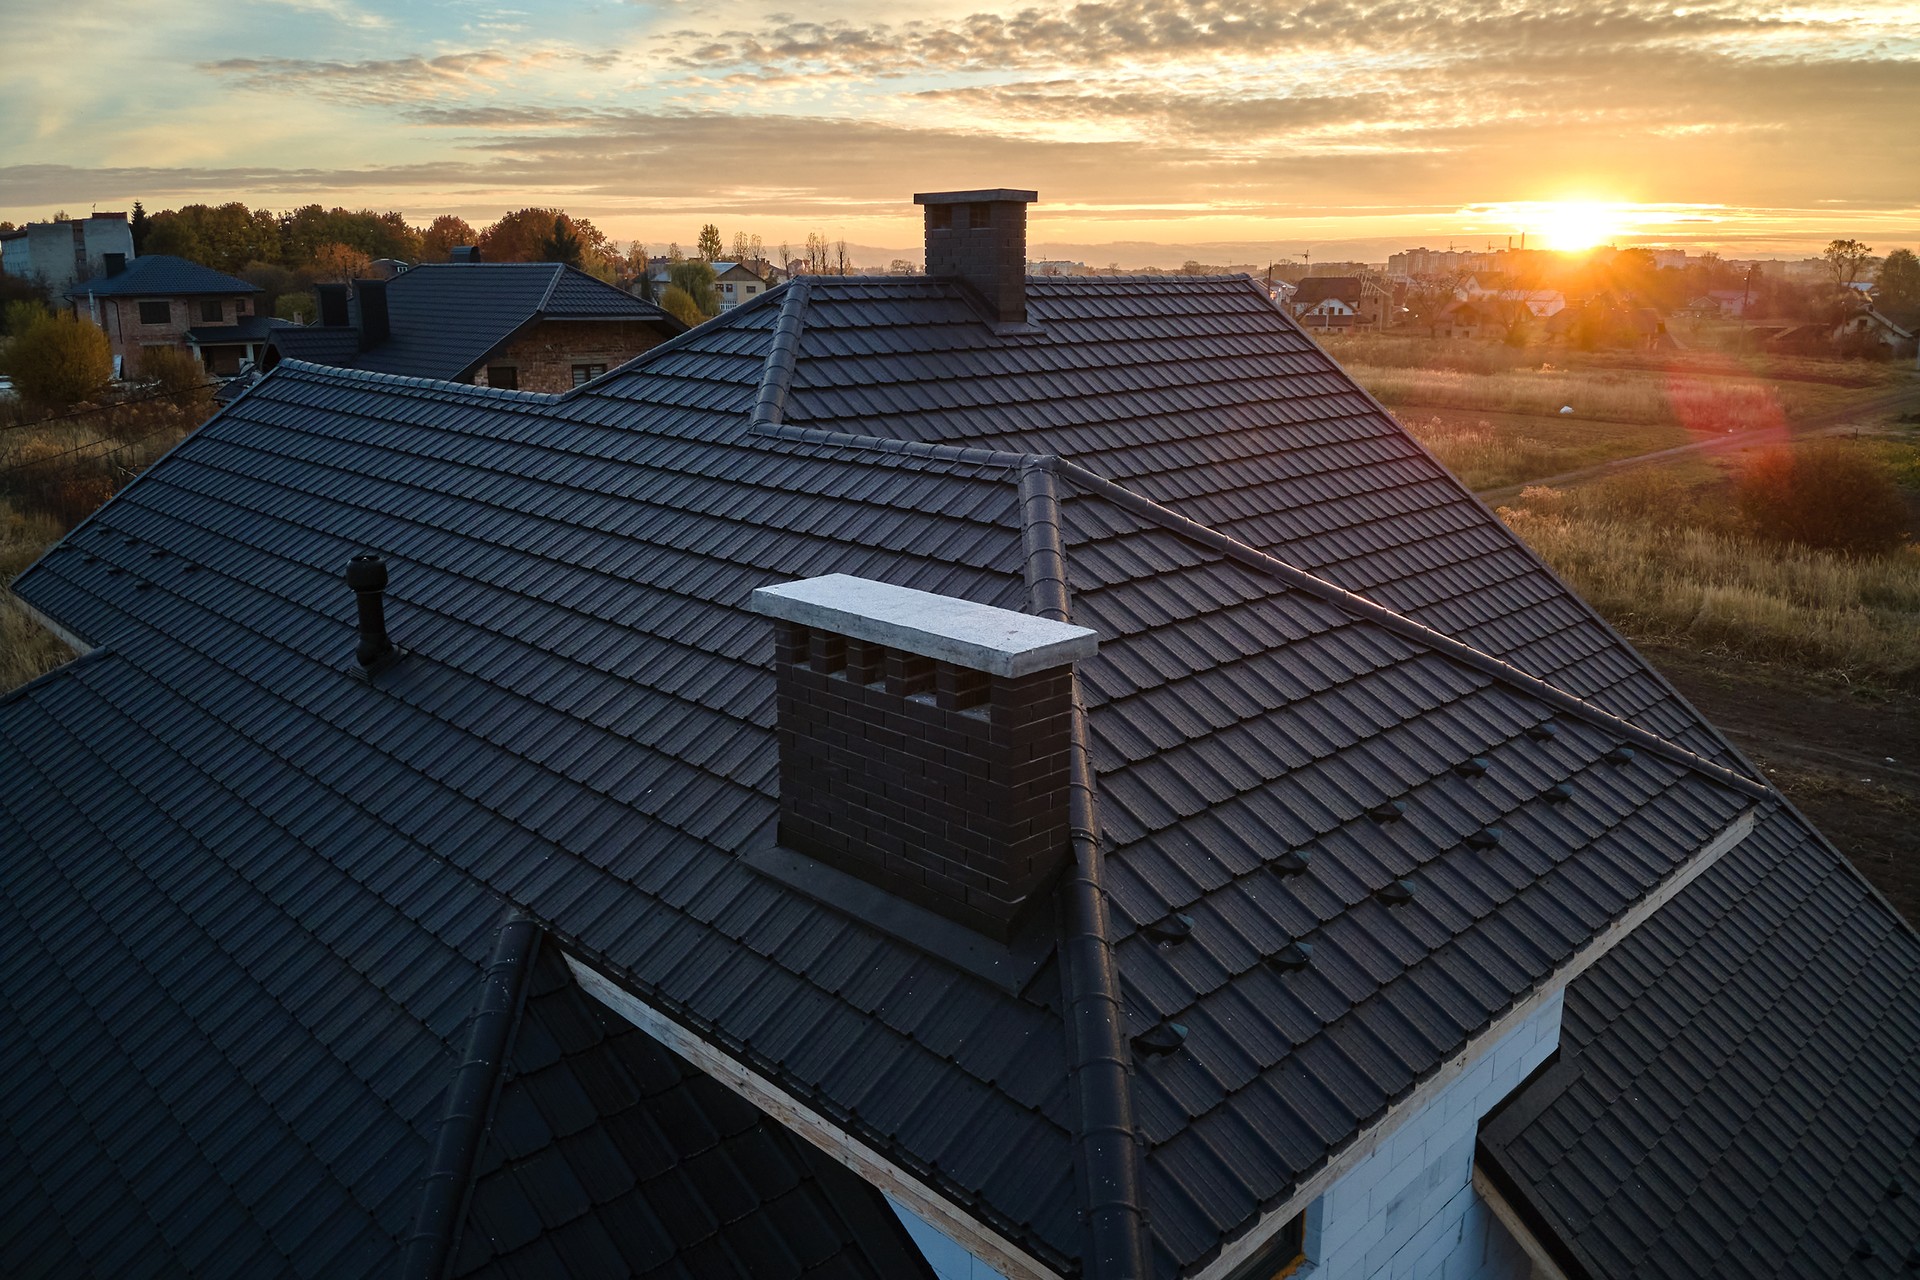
<point>470,1100</point>
<point>1106,1142</point>
<point>1400,624</point>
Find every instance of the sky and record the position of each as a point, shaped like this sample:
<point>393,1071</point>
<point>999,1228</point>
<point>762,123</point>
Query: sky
<point>1228,130</point>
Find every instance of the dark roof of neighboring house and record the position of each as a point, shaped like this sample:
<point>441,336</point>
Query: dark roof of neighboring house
<point>445,318</point>
<point>156,275</point>
<point>584,726</point>
<point>254,328</point>
<point>232,1047</point>
<point>1738,1087</point>
<point>1321,288</point>
<point>337,345</point>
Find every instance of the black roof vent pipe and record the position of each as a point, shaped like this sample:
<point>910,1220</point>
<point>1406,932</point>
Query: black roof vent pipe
<point>367,575</point>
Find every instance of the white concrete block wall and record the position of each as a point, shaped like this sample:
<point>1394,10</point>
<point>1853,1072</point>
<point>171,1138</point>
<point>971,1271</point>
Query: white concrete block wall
<point>942,1252</point>
<point>1408,1211</point>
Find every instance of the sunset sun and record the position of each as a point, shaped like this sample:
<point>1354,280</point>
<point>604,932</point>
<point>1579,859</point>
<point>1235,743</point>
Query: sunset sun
<point>1575,224</point>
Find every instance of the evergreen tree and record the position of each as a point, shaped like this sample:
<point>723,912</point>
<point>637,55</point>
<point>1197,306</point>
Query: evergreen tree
<point>139,224</point>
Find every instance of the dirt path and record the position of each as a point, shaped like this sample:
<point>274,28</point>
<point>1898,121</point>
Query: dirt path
<point>1874,408</point>
<point>1849,759</point>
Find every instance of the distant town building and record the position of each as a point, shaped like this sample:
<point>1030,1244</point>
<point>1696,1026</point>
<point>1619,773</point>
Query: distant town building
<point>1342,302</point>
<point>1056,267</point>
<point>58,255</point>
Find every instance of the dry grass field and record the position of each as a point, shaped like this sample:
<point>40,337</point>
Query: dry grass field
<point>53,474</point>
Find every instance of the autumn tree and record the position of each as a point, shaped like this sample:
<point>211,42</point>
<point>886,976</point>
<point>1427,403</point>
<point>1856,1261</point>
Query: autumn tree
<point>340,262</point>
<point>443,235</point>
<point>1898,285</point>
<point>225,237</point>
<point>746,248</point>
<point>709,246</point>
<point>58,360</point>
<point>1846,259</point>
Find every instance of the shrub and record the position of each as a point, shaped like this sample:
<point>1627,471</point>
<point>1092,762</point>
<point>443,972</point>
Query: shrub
<point>696,280</point>
<point>679,304</point>
<point>59,360</point>
<point>177,372</point>
<point>1823,495</point>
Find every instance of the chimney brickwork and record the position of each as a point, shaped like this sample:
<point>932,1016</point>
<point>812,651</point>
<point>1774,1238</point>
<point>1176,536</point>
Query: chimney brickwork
<point>909,765</point>
<point>981,237</point>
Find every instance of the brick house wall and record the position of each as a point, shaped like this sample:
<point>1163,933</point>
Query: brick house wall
<point>543,357</point>
<point>120,317</point>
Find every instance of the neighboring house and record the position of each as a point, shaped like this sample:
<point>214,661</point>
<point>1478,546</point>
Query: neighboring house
<point>1490,316</point>
<point>162,301</point>
<point>530,326</point>
<point>1541,304</point>
<point>1053,747</point>
<point>1341,302</point>
<point>1875,324</point>
<point>57,255</point>
<point>734,282</point>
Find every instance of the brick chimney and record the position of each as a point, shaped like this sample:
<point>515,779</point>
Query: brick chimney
<point>981,237</point>
<point>923,742</point>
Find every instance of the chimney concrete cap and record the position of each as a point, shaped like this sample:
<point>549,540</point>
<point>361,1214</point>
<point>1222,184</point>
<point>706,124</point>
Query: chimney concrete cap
<point>977,197</point>
<point>979,637</point>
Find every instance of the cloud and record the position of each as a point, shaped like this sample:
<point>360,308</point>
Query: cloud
<point>386,81</point>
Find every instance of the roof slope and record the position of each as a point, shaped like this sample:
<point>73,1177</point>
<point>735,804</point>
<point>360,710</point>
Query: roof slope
<point>585,728</point>
<point>159,275</point>
<point>231,1001</point>
<point>1738,1089</point>
<point>1200,394</point>
<point>608,1155</point>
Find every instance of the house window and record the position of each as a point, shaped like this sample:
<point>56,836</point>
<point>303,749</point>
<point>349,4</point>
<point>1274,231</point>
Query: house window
<point>979,216</point>
<point>156,313</point>
<point>940,216</point>
<point>239,306</point>
<point>503,375</point>
<point>1280,1256</point>
<point>585,372</point>
<point>210,312</point>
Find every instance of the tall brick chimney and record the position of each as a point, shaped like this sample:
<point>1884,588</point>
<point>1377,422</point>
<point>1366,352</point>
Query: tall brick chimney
<point>923,742</point>
<point>981,237</point>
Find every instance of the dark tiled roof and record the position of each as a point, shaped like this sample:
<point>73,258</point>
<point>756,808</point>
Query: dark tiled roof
<point>608,1155</point>
<point>584,726</point>
<point>318,344</point>
<point>1319,288</point>
<point>226,1043</point>
<point>1738,1089</point>
<point>157,275</point>
<point>249,329</point>
<point>1199,394</point>
<point>445,317</point>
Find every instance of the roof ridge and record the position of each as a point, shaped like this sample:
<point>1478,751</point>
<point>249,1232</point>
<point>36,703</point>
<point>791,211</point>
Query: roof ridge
<point>471,1095</point>
<point>438,386</point>
<point>727,319</point>
<point>1106,1143</point>
<point>559,273</point>
<point>1406,627</point>
<point>783,355</point>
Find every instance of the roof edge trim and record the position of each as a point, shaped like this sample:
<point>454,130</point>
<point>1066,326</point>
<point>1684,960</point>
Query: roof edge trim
<point>1406,627</point>
<point>791,1113</point>
<point>1106,1145</point>
<point>470,1100</point>
<point>1370,1139</point>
